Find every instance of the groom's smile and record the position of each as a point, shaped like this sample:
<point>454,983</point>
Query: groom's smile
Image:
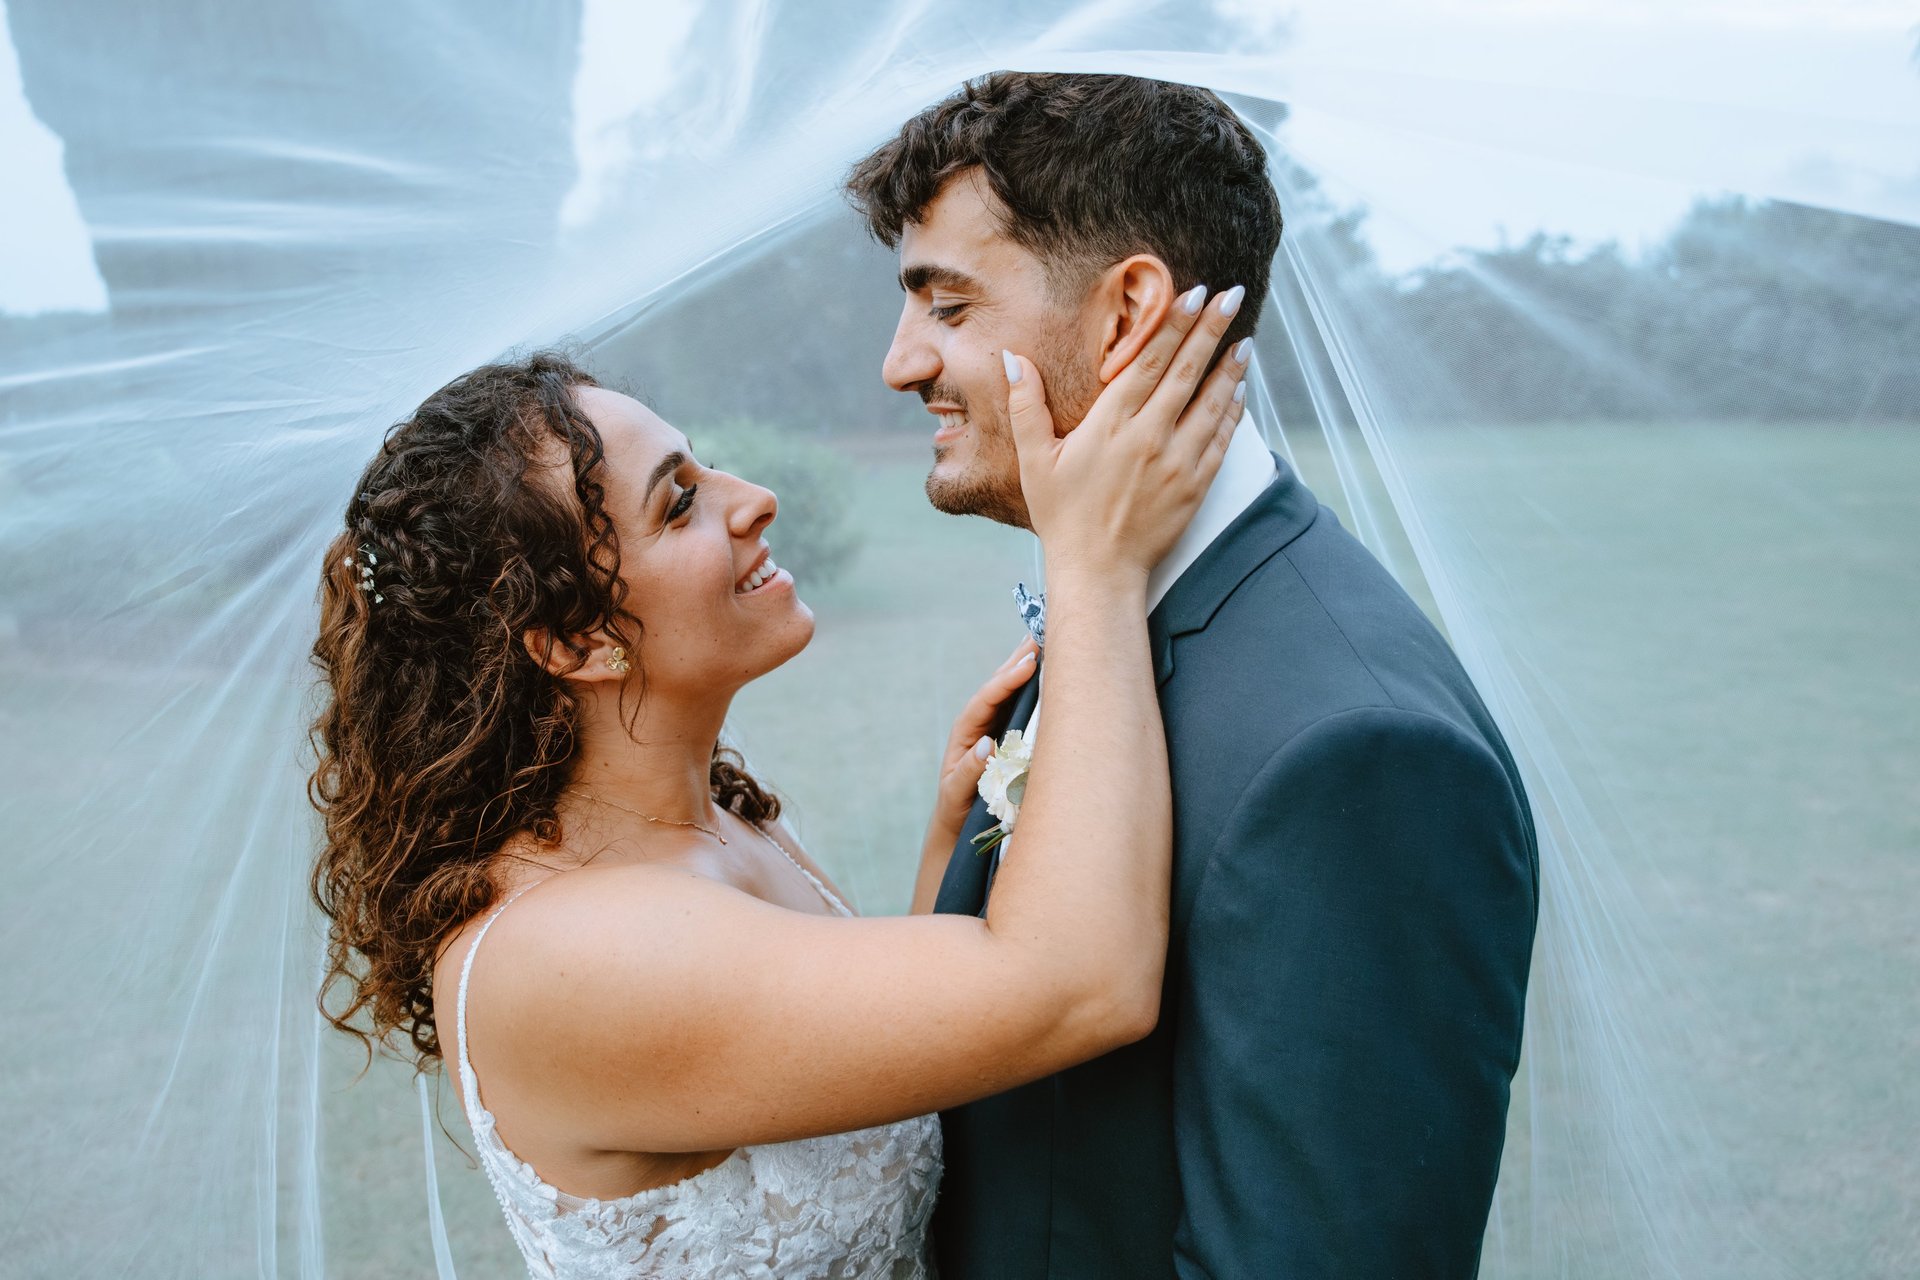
<point>951,412</point>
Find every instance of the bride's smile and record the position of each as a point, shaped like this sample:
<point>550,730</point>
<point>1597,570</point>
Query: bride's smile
<point>716,610</point>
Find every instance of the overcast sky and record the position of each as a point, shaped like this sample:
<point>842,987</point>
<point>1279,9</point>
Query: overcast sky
<point>1455,121</point>
<point>1602,119</point>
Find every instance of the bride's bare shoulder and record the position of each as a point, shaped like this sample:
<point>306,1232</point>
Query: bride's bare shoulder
<point>608,918</point>
<point>623,891</point>
<point>574,952</point>
<point>540,912</point>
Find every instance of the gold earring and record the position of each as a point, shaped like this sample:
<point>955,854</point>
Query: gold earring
<point>618,662</point>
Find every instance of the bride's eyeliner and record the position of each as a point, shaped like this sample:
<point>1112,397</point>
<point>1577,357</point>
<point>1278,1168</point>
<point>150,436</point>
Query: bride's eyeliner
<point>682,504</point>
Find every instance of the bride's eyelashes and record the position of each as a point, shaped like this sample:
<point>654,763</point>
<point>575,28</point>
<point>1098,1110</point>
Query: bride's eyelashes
<point>682,504</point>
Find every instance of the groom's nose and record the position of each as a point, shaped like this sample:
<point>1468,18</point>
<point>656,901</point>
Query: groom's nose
<point>912,359</point>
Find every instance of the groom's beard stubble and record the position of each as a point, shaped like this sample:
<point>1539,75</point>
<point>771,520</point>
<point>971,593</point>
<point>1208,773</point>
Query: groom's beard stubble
<point>990,484</point>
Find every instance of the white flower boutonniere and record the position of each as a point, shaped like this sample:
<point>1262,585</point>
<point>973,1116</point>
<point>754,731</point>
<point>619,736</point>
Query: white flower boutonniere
<point>1003,785</point>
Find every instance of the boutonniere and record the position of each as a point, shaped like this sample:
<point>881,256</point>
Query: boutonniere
<point>1003,785</point>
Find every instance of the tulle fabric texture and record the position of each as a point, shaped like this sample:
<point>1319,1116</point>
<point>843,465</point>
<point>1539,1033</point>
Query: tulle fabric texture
<point>1669,541</point>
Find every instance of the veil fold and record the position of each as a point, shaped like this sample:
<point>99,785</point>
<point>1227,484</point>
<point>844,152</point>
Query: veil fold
<point>1596,323</point>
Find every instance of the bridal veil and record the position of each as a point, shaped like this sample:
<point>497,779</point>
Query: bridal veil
<point>1597,322</point>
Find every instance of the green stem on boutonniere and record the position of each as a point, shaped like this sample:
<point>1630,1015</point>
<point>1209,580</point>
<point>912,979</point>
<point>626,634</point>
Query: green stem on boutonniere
<point>993,835</point>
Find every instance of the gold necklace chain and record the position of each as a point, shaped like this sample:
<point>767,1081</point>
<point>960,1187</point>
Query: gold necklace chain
<point>812,879</point>
<point>670,822</point>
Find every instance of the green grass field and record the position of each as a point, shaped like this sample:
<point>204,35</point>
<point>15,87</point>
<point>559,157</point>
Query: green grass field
<point>1720,621</point>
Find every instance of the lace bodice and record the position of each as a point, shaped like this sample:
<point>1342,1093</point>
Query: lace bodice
<point>847,1205</point>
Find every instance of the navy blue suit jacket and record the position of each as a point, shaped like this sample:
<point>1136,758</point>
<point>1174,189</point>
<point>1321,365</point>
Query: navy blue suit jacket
<point>1354,894</point>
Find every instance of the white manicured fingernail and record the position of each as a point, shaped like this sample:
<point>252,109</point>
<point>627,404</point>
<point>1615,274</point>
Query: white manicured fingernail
<point>1025,660</point>
<point>1242,349</point>
<point>1190,300</point>
<point>1013,367</point>
<point>983,748</point>
<point>1240,392</point>
<point>1231,299</point>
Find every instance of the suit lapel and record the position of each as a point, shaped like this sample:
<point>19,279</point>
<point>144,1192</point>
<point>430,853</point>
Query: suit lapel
<point>963,891</point>
<point>1280,514</point>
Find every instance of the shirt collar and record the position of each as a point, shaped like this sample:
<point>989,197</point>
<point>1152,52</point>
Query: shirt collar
<point>1246,470</point>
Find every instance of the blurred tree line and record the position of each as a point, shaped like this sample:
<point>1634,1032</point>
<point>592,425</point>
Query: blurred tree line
<point>1748,310</point>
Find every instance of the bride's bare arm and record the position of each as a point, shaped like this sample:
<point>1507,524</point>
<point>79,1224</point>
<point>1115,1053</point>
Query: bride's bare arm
<point>651,1009</point>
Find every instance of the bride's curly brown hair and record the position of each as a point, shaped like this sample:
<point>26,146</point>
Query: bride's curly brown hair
<point>441,736</point>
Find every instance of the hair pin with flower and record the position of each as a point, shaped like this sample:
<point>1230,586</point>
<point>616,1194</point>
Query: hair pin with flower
<point>364,561</point>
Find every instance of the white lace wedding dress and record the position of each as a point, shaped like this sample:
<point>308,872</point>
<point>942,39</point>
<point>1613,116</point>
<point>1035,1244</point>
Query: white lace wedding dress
<point>847,1205</point>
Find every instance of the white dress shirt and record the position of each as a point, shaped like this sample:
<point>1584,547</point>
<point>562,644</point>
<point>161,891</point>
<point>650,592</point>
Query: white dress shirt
<point>1244,473</point>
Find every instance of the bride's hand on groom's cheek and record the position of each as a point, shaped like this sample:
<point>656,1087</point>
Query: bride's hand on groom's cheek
<point>1114,493</point>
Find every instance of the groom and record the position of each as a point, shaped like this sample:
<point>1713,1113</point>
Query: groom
<point>1355,880</point>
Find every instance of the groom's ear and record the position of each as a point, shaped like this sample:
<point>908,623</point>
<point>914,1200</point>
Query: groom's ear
<point>1133,296</point>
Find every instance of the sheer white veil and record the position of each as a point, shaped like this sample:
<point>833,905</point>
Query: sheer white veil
<point>1658,494</point>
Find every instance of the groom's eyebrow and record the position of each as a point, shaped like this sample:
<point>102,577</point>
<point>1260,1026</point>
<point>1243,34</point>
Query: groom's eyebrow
<point>922,276</point>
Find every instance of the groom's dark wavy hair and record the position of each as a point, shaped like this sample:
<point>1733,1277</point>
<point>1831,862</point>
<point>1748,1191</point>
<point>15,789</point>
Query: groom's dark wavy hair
<point>1090,169</point>
<point>441,736</point>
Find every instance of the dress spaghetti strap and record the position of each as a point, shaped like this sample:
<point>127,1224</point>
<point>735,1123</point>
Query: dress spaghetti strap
<point>469,1085</point>
<point>832,899</point>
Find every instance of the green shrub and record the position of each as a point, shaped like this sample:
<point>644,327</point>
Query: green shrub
<point>812,538</point>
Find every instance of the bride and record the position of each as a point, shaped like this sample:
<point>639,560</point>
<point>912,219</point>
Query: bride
<point>679,1053</point>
